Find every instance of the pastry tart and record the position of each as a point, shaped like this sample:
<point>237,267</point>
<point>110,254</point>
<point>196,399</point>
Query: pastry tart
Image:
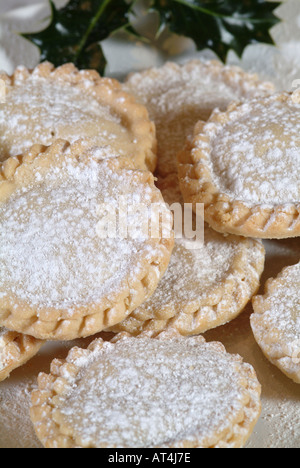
<point>15,350</point>
<point>178,96</point>
<point>243,164</point>
<point>66,272</point>
<point>49,103</point>
<point>147,392</point>
<point>208,282</point>
<point>276,321</point>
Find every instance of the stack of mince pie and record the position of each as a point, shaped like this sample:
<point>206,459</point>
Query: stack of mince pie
<point>84,162</point>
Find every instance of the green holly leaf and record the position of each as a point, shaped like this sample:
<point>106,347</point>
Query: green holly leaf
<point>75,32</point>
<point>220,25</point>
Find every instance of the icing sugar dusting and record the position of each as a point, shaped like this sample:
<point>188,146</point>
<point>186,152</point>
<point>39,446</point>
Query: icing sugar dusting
<point>38,110</point>
<point>276,322</point>
<point>204,268</point>
<point>256,156</point>
<point>50,252</point>
<point>16,429</point>
<point>283,312</point>
<point>129,394</point>
<point>177,97</point>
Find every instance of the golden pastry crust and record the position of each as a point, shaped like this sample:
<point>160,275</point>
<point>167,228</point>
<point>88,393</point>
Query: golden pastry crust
<point>213,291</point>
<point>55,419</point>
<point>276,322</point>
<point>221,274</point>
<point>56,191</point>
<point>49,103</point>
<point>260,197</point>
<point>178,96</point>
<point>15,350</point>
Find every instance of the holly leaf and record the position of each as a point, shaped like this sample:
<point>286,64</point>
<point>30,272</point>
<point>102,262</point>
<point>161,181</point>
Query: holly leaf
<point>75,32</point>
<point>220,25</point>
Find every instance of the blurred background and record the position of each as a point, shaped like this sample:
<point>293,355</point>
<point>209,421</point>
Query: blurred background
<point>280,64</point>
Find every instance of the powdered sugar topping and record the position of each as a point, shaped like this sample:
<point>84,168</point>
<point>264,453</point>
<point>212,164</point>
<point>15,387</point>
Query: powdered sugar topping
<point>177,97</point>
<point>283,310</point>
<point>205,267</point>
<point>40,110</point>
<point>146,393</point>
<point>50,252</point>
<point>255,157</point>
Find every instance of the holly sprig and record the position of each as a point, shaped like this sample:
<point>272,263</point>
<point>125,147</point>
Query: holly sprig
<point>76,31</point>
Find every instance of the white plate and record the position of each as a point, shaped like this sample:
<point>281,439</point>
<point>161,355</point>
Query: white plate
<point>279,425</point>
